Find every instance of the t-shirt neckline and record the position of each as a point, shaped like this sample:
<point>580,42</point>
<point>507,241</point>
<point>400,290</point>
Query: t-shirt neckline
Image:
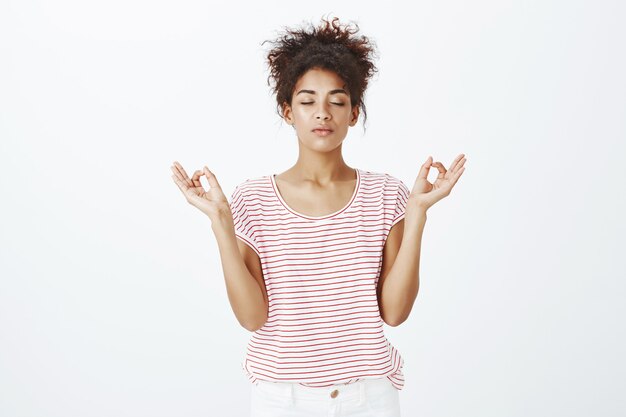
<point>341,210</point>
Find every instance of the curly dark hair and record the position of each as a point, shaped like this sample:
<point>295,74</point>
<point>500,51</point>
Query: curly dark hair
<point>330,46</point>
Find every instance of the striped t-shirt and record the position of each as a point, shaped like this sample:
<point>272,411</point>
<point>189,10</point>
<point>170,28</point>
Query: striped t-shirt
<point>324,325</point>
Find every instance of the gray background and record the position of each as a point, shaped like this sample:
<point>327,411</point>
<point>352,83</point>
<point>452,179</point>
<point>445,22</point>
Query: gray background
<point>112,299</point>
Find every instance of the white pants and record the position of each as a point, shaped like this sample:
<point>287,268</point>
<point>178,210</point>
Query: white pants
<point>365,398</point>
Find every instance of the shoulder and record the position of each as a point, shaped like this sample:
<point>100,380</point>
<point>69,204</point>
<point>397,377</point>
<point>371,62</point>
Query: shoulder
<point>389,181</point>
<point>250,185</point>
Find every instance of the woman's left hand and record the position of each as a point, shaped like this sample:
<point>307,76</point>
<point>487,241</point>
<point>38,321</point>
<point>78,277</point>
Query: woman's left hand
<point>425,194</point>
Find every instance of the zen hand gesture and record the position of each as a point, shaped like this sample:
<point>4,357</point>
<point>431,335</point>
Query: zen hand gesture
<point>213,202</point>
<point>425,194</point>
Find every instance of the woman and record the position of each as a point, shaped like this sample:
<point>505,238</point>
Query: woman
<point>316,258</point>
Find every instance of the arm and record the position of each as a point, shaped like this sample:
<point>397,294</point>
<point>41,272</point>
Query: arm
<point>398,284</point>
<point>399,281</point>
<point>241,265</point>
<point>243,275</point>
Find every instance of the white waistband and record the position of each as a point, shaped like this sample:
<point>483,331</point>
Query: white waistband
<point>295,390</point>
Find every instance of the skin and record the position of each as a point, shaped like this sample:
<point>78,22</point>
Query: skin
<point>320,182</point>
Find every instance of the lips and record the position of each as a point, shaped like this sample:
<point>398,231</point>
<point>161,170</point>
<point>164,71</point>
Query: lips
<point>323,132</point>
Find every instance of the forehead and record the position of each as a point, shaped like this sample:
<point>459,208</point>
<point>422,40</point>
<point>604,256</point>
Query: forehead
<point>319,79</point>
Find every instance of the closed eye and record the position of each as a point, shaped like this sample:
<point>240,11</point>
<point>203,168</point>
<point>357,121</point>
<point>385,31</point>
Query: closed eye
<point>338,104</point>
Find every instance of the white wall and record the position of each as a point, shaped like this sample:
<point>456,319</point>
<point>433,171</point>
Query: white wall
<point>112,301</point>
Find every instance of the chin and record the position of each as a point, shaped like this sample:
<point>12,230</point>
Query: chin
<point>321,144</point>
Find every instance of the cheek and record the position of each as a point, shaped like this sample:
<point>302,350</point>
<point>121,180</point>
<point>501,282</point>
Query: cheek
<point>346,117</point>
<point>300,113</point>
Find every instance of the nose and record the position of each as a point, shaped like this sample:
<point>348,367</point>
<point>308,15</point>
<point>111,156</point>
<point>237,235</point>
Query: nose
<point>322,113</point>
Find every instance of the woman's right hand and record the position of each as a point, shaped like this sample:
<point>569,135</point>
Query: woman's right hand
<point>213,202</point>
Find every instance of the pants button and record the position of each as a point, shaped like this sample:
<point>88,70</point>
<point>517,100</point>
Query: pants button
<point>334,394</point>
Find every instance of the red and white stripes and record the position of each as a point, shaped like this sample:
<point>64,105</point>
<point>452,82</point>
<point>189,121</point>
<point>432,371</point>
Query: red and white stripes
<point>324,326</point>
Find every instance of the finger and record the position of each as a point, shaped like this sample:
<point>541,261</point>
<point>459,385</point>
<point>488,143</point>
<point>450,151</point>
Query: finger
<point>453,165</point>
<point>459,173</point>
<point>196,178</point>
<point>181,174</point>
<point>441,169</point>
<point>180,168</point>
<point>459,165</point>
<point>423,174</point>
<point>182,186</point>
<point>456,177</point>
<point>177,181</point>
<point>213,183</point>
<point>189,194</point>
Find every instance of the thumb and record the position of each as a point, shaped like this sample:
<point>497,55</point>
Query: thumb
<point>423,174</point>
<point>211,178</point>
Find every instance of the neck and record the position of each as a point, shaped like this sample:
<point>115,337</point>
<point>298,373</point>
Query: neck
<point>322,168</point>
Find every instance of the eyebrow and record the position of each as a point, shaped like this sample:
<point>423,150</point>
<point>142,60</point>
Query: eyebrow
<point>335,91</point>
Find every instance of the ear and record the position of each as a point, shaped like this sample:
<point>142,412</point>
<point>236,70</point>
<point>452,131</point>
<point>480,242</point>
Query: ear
<point>355,115</point>
<point>287,113</point>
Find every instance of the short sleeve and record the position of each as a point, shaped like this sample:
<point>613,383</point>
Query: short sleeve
<point>402,197</point>
<point>243,222</point>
